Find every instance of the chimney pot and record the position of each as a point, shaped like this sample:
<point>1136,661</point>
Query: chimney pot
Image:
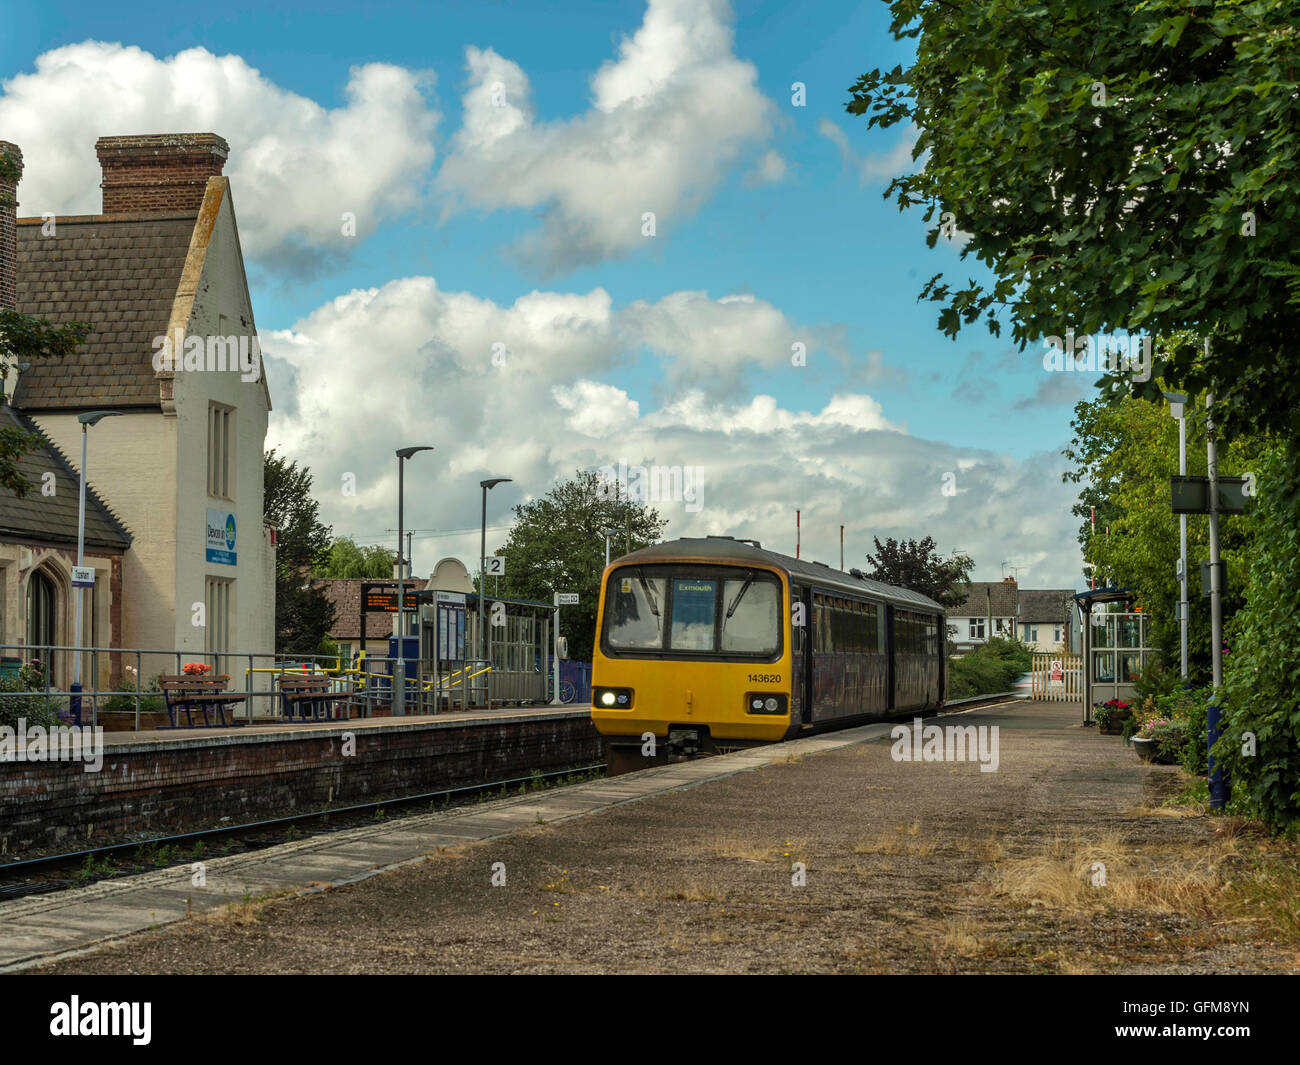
<point>158,172</point>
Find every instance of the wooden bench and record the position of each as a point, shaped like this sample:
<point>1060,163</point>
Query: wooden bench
<point>309,692</point>
<point>190,693</point>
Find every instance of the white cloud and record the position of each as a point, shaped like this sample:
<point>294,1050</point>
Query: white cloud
<point>769,170</point>
<point>408,363</point>
<point>666,120</point>
<point>874,167</point>
<point>295,166</point>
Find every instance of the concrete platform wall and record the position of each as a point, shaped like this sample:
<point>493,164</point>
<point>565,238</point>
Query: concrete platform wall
<point>157,788</point>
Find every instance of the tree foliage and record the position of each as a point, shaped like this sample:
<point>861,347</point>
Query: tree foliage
<point>1124,451</point>
<point>347,559</point>
<point>556,544</point>
<point>1121,165</point>
<point>303,615</point>
<point>916,564</point>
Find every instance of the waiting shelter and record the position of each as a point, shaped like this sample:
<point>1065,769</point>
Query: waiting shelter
<point>1115,645</point>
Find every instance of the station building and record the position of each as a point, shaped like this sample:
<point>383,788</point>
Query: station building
<point>174,519</point>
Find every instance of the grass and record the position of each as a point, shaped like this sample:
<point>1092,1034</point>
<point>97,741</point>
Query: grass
<point>904,839</point>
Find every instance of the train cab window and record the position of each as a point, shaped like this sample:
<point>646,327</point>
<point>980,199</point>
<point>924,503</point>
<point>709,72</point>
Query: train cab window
<point>634,612</point>
<point>755,623</point>
<point>694,608</point>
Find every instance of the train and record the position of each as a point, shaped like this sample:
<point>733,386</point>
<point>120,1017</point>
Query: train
<point>710,644</point>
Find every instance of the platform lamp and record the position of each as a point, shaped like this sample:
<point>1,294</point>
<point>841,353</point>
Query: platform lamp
<point>1178,409</point>
<point>399,667</point>
<point>89,418</point>
<point>490,483</point>
<point>608,533</point>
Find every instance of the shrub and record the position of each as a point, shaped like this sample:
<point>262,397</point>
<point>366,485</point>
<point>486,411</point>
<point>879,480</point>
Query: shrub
<point>33,706</point>
<point>991,667</point>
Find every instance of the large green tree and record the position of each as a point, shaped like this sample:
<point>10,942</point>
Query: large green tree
<point>347,559</point>
<point>23,338</point>
<point>303,615</point>
<point>1120,165</point>
<point>556,544</point>
<point>917,564</point>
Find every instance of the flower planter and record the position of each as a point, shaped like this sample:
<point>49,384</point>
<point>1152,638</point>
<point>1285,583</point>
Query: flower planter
<point>1146,749</point>
<point>1115,726</point>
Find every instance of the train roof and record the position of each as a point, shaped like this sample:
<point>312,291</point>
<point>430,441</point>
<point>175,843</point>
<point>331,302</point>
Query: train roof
<point>725,549</point>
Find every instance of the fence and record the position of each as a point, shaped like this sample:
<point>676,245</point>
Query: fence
<point>1057,677</point>
<point>119,679</point>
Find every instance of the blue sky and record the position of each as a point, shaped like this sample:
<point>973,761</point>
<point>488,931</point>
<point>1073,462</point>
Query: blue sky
<point>810,240</point>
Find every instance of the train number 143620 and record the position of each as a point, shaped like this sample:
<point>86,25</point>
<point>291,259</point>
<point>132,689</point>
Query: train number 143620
<point>765,678</point>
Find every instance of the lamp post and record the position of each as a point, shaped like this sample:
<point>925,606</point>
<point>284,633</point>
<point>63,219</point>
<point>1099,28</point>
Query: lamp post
<point>607,533</point>
<point>91,417</point>
<point>490,483</point>
<point>399,667</point>
<point>1178,409</point>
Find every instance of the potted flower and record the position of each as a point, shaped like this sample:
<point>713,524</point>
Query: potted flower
<point>1111,716</point>
<point>196,669</point>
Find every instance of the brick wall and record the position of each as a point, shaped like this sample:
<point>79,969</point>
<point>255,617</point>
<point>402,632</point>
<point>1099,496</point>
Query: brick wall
<point>184,784</point>
<point>9,232</point>
<point>158,172</point>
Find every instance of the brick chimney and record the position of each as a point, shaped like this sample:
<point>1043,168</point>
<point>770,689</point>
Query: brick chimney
<point>159,171</point>
<point>9,230</point>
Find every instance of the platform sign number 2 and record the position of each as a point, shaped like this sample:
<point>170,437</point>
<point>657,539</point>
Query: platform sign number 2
<point>496,566</point>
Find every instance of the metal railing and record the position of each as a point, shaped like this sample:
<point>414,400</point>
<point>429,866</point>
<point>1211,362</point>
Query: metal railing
<point>361,688</point>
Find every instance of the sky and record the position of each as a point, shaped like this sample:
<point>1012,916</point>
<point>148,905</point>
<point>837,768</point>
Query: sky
<point>544,237</point>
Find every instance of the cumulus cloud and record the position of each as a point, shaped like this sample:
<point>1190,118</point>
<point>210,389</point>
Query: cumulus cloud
<point>666,121</point>
<point>409,363</point>
<point>295,166</point>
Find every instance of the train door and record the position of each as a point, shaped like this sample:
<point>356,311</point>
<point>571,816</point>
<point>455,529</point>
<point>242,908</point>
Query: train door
<point>806,655</point>
<point>889,651</point>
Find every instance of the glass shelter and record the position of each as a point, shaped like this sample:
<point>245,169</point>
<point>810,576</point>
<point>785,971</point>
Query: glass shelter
<point>1115,650</point>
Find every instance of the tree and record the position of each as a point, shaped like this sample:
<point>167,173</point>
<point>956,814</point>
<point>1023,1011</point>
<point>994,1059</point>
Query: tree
<point>915,564</point>
<point>22,339</point>
<point>346,559</point>
<point>556,544</point>
<point>1119,166</point>
<point>303,615</point>
<point>1124,451</point>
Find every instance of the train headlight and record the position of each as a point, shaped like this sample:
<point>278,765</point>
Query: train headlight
<point>612,698</point>
<point>765,703</point>
<point>607,698</point>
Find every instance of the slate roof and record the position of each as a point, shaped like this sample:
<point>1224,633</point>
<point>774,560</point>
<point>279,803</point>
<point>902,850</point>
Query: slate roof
<point>120,274</point>
<point>1051,605</point>
<point>345,593</point>
<point>1001,601</point>
<point>53,519</point>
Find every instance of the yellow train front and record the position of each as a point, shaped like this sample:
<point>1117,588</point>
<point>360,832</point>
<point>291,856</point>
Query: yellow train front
<point>710,644</point>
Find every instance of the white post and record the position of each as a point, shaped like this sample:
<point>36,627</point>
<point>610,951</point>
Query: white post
<point>555,655</point>
<point>81,561</point>
<point>1183,610</point>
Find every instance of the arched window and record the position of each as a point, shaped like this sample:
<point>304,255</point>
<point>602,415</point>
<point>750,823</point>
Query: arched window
<point>40,611</point>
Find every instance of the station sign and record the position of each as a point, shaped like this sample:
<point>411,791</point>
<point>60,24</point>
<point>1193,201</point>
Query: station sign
<point>1191,495</point>
<point>496,565</point>
<point>83,577</point>
<point>566,598</point>
<point>451,597</point>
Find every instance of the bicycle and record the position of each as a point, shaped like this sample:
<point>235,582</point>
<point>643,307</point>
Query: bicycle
<point>568,691</point>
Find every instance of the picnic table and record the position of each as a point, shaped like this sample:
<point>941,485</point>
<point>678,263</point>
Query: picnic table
<point>187,693</point>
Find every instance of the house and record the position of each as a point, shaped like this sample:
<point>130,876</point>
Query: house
<point>183,560</point>
<point>1047,619</point>
<point>988,608</point>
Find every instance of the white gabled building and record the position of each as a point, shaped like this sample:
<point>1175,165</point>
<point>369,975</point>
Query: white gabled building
<point>182,467</point>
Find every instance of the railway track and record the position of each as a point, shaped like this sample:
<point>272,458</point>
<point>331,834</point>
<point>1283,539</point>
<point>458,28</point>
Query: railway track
<point>39,875</point>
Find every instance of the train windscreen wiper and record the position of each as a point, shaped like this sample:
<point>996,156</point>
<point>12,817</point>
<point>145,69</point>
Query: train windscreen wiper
<point>749,579</point>
<point>650,596</point>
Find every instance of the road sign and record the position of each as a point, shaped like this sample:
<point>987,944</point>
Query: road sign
<point>566,598</point>
<point>496,566</point>
<point>83,577</point>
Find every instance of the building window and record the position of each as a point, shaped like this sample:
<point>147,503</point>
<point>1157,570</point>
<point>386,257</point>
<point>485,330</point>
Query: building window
<point>1056,634</point>
<point>977,628</point>
<point>1031,633</point>
<point>221,451</point>
<point>219,615</point>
